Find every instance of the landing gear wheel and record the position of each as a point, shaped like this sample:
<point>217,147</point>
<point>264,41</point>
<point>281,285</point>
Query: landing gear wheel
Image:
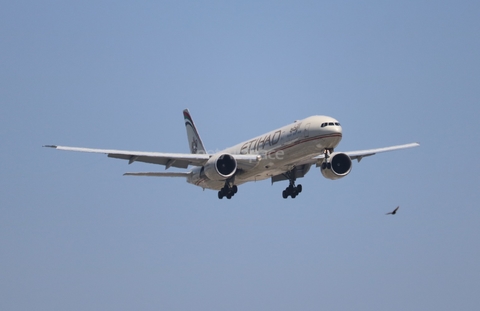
<point>227,191</point>
<point>291,190</point>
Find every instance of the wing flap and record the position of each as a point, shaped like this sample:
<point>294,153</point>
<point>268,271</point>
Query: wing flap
<point>167,161</point>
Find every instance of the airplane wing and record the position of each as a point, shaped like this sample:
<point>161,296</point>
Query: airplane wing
<point>180,160</point>
<point>355,155</point>
<point>302,167</point>
<point>160,174</point>
<point>360,154</point>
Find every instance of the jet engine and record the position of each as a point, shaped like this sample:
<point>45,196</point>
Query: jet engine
<point>220,167</point>
<point>337,166</point>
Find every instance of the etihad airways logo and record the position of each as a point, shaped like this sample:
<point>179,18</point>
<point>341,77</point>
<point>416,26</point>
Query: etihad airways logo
<point>194,145</point>
<point>261,143</point>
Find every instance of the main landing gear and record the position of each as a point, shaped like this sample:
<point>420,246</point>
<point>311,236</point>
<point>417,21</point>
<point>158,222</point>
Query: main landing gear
<point>227,191</point>
<point>291,190</point>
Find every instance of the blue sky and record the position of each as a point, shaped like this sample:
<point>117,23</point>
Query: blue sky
<point>77,235</point>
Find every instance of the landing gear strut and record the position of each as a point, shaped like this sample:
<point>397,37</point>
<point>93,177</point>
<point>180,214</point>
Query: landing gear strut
<point>326,163</point>
<point>291,190</point>
<point>228,190</point>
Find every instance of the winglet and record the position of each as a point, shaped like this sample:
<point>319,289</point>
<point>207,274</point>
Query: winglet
<point>194,141</point>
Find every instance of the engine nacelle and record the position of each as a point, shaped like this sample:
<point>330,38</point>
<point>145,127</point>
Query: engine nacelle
<point>220,167</point>
<point>339,165</point>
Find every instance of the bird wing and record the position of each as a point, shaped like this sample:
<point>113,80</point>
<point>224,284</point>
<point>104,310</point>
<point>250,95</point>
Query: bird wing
<point>393,212</point>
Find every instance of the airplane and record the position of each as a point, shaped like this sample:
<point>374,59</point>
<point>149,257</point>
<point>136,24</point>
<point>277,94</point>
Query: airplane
<point>286,153</point>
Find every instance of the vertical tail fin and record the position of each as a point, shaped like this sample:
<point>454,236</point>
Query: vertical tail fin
<point>194,141</point>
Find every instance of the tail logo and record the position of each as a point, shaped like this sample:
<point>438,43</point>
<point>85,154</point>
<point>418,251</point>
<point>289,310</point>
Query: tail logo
<point>194,145</point>
<point>194,141</point>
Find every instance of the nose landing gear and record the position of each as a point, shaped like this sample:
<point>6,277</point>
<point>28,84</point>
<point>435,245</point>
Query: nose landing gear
<point>326,163</point>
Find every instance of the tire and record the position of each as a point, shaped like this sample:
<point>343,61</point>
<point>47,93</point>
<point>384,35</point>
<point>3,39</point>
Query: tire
<point>284,194</point>
<point>299,188</point>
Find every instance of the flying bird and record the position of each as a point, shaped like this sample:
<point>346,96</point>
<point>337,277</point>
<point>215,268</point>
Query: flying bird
<point>393,212</point>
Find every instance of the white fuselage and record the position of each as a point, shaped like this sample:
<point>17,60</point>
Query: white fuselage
<point>280,150</point>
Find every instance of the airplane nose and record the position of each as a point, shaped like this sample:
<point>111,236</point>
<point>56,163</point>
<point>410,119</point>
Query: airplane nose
<point>332,127</point>
<point>336,129</point>
<point>339,129</point>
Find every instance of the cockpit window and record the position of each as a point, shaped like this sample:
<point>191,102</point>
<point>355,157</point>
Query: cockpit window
<point>330,124</point>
